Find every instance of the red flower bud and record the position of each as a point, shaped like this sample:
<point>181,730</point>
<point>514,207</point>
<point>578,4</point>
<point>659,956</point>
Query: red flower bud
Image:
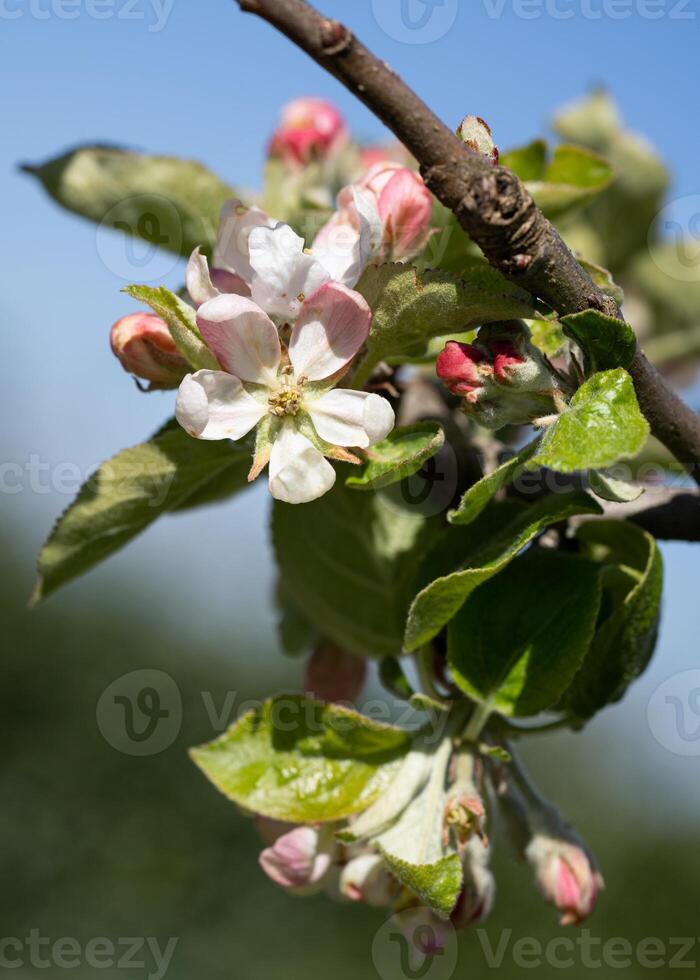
<point>143,344</point>
<point>462,367</point>
<point>309,130</point>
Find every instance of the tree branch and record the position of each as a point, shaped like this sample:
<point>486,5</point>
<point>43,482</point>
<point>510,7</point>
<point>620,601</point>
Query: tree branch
<point>674,515</point>
<point>490,203</point>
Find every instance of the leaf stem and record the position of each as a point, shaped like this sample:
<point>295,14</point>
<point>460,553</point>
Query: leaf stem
<point>475,725</point>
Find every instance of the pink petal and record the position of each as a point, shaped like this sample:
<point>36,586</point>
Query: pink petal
<point>243,337</point>
<point>333,324</point>
<point>406,208</point>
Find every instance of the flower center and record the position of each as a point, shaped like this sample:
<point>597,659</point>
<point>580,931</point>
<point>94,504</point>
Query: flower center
<point>287,399</point>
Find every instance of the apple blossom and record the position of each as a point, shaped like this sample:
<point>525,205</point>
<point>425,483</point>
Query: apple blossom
<point>287,392</point>
<point>390,206</point>
<point>479,889</point>
<point>143,344</point>
<point>310,129</point>
<point>265,259</point>
<point>365,878</point>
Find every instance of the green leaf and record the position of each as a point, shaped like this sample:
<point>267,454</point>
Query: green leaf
<point>301,760</point>
<point>170,202</point>
<point>573,177</point>
<point>602,425</point>
<point>548,336</point>
<point>517,642</point>
<point>182,324</point>
<point>399,455</point>
<point>411,307</point>
<point>528,162</point>
<point>128,493</point>
<point>606,342</point>
<point>606,485</point>
<point>349,560</point>
<point>478,496</point>
<point>474,554</point>
<point>626,636</point>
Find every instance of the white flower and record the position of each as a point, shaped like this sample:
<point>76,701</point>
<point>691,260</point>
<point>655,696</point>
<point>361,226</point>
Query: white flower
<point>266,260</point>
<point>288,392</point>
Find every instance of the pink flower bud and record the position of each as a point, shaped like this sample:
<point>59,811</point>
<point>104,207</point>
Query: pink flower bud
<point>143,344</point>
<point>309,130</point>
<point>566,875</point>
<point>405,207</point>
<point>476,134</point>
<point>300,860</point>
<point>333,674</point>
<point>366,879</point>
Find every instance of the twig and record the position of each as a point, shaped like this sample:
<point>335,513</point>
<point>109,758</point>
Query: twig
<point>490,203</point>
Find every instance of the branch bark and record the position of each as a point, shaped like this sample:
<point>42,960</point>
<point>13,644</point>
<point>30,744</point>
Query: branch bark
<point>674,515</point>
<point>490,203</point>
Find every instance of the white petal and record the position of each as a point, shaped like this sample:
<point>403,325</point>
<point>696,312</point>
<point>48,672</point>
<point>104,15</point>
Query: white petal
<point>284,275</point>
<point>243,337</point>
<point>351,418</point>
<point>351,238</point>
<point>198,279</point>
<point>298,471</point>
<point>333,324</point>
<point>215,405</point>
<point>232,244</point>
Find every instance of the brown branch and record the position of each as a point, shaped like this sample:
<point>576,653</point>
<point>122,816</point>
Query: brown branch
<point>490,203</point>
<point>670,515</point>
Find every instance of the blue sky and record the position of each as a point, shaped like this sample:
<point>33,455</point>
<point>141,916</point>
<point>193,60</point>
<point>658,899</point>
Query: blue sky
<point>208,83</point>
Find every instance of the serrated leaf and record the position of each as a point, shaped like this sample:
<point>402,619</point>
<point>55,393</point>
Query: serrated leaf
<point>478,552</point>
<point>410,307</point>
<point>602,425</point>
<point>182,324</point>
<point>128,493</point>
<point>400,455</point>
<point>349,560</point>
<point>301,760</point>
<point>479,496</point>
<point>625,639</point>
<point>167,201</point>
<point>572,178</point>
<point>517,642</point>
<point>606,342</point>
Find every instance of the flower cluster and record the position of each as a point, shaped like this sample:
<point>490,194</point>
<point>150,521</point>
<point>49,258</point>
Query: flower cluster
<point>284,323</point>
<point>502,377</point>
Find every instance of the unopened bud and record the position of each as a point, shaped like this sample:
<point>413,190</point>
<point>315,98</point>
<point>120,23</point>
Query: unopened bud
<point>366,879</point>
<point>300,860</point>
<point>143,344</point>
<point>333,674</point>
<point>502,377</point>
<point>566,875</point>
<point>476,134</point>
<point>405,207</point>
<point>309,130</point>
